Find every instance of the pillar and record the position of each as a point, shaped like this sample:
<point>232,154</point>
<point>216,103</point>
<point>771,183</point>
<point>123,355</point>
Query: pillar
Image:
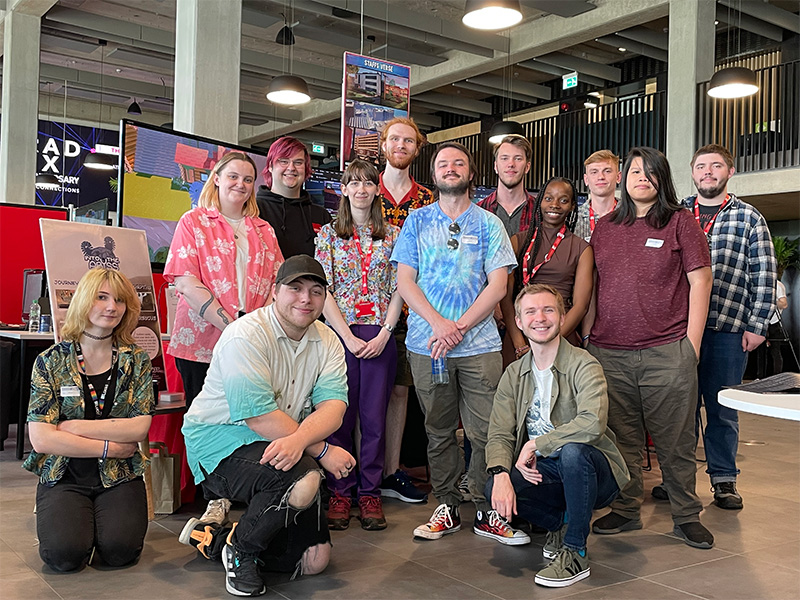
<point>207,63</point>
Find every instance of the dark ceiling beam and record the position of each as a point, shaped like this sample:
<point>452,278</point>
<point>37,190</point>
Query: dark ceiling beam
<point>535,65</point>
<point>523,87</point>
<point>656,39</point>
<point>748,23</point>
<point>449,101</point>
<point>490,91</point>
<point>768,13</point>
<point>581,65</point>
<point>616,41</point>
<point>560,7</point>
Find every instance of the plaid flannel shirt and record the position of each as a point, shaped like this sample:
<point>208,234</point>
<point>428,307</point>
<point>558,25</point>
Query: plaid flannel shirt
<point>744,269</point>
<point>491,204</point>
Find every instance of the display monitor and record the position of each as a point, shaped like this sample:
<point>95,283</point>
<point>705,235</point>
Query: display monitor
<point>160,178</point>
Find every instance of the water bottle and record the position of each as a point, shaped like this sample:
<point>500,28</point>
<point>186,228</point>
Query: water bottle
<point>35,315</point>
<point>439,373</point>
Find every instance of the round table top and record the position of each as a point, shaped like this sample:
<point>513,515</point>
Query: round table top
<point>781,406</point>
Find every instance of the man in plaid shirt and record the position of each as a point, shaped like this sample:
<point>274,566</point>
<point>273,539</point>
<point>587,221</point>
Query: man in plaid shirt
<point>742,302</point>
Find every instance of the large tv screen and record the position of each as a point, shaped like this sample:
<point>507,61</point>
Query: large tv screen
<point>161,175</point>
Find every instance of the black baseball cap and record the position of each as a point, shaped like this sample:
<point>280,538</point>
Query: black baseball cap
<point>299,266</point>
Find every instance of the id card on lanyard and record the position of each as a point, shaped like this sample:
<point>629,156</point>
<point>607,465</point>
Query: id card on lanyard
<point>363,307</point>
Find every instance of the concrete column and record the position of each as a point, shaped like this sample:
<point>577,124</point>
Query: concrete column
<point>691,61</point>
<point>207,62</point>
<point>20,107</point>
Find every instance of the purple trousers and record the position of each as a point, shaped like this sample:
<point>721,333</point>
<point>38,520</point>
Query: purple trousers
<point>369,383</point>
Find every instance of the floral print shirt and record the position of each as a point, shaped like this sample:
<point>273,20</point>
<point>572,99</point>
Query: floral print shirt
<point>57,368</point>
<point>204,246</point>
<point>342,264</point>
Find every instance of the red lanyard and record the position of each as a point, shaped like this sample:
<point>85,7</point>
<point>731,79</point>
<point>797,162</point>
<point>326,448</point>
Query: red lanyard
<point>710,224</point>
<point>366,259</point>
<point>99,401</point>
<point>526,277</point>
<point>591,215</point>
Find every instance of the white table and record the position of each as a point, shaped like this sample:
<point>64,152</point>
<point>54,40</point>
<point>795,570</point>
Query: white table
<point>781,406</point>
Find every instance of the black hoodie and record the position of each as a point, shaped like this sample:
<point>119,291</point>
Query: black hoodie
<point>296,221</point>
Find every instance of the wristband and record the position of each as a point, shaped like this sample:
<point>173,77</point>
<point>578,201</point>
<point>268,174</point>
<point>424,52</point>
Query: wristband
<point>323,453</point>
<point>105,450</point>
<point>389,328</point>
<point>584,338</point>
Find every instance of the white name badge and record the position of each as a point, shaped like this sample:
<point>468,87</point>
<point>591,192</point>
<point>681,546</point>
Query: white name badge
<point>470,239</point>
<point>70,391</point>
<point>653,243</point>
<point>377,243</point>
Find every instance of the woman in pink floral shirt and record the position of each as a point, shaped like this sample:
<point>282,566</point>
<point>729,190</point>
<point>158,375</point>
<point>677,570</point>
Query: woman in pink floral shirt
<point>363,307</point>
<point>223,260</point>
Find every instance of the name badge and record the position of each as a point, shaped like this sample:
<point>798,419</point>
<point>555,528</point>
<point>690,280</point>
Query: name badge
<point>68,391</point>
<point>377,243</point>
<point>653,243</point>
<point>469,239</point>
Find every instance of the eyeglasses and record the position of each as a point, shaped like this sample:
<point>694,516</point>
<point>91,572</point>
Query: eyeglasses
<point>454,230</point>
<point>284,162</point>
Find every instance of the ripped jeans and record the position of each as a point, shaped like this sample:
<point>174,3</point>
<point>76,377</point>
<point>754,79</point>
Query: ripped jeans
<point>268,519</point>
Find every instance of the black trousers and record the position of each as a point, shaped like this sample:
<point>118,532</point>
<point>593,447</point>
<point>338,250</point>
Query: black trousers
<point>193,374</point>
<point>71,519</point>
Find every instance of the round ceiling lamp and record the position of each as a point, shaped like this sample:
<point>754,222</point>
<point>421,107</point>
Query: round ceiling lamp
<point>733,82</point>
<point>503,129</point>
<point>491,14</point>
<point>289,90</point>
<point>48,181</point>
<point>101,162</point>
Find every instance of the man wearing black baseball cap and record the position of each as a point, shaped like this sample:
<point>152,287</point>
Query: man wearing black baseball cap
<point>275,389</point>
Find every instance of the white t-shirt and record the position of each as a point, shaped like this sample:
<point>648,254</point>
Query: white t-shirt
<point>242,246</point>
<point>781,293</point>
<point>538,417</point>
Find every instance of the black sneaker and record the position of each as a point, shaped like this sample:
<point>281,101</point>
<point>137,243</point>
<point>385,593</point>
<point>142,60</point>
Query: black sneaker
<point>660,492</point>
<point>614,523</point>
<point>199,535</point>
<point>399,486</point>
<point>695,535</point>
<point>241,573</point>
<point>726,496</point>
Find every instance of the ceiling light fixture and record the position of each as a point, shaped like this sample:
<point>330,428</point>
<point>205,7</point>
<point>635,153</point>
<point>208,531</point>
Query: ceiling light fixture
<point>491,14</point>
<point>621,49</point>
<point>733,82</point>
<point>503,129</point>
<point>590,102</point>
<point>134,108</point>
<point>285,36</point>
<point>96,160</point>
<point>48,181</point>
<point>288,89</point>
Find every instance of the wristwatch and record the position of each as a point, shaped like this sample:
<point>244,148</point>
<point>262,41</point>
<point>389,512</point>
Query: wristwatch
<point>496,470</point>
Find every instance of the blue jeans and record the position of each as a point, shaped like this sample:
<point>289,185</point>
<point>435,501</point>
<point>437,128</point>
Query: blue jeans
<point>576,481</point>
<point>722,363</point>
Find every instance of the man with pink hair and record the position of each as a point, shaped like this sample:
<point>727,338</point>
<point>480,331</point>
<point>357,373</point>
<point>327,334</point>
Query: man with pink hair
<point>283,202</point>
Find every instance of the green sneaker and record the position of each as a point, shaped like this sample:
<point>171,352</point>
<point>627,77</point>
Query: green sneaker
<point>554,542</point>
<point>566,568</point>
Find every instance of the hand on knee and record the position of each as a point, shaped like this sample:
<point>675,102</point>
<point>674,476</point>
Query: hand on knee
<point>315,559</point>
<point>304,490</point>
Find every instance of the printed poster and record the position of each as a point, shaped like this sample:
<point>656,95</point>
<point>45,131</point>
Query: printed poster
<point>374,91</point>
<point>71,249</point>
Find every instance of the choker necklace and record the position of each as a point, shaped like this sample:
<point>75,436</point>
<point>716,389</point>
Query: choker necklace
<point>97,337</point>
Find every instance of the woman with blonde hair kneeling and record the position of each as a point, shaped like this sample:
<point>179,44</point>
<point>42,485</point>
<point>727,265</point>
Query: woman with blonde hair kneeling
<point>91,402</point>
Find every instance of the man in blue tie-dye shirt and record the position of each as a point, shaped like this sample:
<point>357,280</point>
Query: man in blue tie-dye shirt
<point>453,261</point>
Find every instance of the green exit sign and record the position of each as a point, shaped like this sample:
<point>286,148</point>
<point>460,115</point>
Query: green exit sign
<point>570,80</point>
<point>318,148</point>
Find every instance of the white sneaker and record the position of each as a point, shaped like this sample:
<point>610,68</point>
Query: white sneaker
<point>216,511</point>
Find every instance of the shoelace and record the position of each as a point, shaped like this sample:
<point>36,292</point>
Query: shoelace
<point>442,516</point>
<point>339,502</point>
<point>495,520</point>
<point>370,504</point>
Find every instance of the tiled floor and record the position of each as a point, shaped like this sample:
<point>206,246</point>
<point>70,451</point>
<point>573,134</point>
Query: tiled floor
<point>757,552</point>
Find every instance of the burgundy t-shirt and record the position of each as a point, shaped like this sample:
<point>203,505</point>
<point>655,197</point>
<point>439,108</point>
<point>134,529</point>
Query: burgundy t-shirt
<point>642,288</point>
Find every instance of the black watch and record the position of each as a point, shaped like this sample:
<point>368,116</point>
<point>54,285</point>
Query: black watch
<point>496,470</point>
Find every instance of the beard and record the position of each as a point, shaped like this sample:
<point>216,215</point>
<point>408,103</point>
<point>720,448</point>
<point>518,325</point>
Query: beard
<point>711,192</point>
<point>400,163</point>
<point>454,189</point>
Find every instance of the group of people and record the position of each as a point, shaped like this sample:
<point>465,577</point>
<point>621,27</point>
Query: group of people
<point>558,336</point>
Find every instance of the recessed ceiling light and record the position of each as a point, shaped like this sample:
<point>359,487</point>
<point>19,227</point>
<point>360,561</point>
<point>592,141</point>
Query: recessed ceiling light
<point>716,22</point>
<point>595,94</point>
<point>621,49</point>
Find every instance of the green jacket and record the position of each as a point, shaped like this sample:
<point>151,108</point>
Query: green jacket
<point>579,410</point>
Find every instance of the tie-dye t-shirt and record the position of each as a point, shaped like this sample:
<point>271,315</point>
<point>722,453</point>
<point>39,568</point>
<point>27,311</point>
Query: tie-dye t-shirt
<point>453,279</point>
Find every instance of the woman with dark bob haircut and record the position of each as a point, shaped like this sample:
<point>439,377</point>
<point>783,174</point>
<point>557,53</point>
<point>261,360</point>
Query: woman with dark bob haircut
<point>91,403</point>
<point>653,286</point>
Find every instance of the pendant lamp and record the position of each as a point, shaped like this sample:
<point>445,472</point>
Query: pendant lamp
<point>491,14</point>
<point>134,108</point>
<point>48,181</point>
<point>103,162</point>
<point>503,129</point>
<point>288,89</point>
<point>733,82</point>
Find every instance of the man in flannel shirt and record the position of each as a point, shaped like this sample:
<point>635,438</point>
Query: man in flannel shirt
<point>742,302</point>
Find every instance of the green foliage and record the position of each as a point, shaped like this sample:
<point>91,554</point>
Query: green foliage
<point>786,252</point>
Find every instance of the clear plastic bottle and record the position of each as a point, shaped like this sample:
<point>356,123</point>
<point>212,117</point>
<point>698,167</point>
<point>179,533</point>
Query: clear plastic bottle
<point>439,373</point>
<point>35,315</point>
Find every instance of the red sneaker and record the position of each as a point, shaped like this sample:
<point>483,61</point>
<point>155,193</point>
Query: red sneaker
<point>371,515</point>
<point>445,519</point>
<point>339,512</point>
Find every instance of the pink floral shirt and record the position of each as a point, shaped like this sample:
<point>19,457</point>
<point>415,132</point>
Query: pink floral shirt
<point>342,264</point>
<point>204,246</point>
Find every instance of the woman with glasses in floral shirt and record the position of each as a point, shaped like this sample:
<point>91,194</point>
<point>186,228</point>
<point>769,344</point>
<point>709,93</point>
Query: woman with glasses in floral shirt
<point>362,307</point>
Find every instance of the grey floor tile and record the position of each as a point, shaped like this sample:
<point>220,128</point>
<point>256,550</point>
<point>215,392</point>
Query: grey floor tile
<point>20,586</point>
<point>734,578</point>
<point>786,555</point>
<point>637,589</point>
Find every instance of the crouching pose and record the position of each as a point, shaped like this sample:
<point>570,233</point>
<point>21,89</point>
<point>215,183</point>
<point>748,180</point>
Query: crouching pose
<point>551,457</point>
<point>276,388</point>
